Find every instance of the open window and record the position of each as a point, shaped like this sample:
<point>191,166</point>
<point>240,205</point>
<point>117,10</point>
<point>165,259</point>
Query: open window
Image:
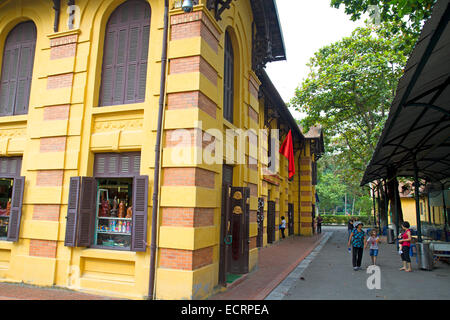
<point>109,210</point>
<point>11,196</point>
<point>114,212</point>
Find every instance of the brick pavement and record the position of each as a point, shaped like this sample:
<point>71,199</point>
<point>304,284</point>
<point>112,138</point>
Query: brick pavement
<point>19,291</point>
<point>274,265</point>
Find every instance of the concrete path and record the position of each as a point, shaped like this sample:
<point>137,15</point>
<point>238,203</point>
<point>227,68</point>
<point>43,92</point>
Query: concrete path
<point>274,265</point>
<point>329,276</point>
<point>19,291</point>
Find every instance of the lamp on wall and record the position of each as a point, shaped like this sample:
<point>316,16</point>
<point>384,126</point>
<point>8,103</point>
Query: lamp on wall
<point>187,6</point>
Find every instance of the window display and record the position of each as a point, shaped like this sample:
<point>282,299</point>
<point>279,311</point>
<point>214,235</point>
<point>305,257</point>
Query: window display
<point>6,187</point>
<point>114,212</point>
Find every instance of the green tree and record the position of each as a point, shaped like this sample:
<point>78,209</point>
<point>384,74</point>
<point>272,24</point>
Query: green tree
<point>408,14</point>
<point>333,186</point>
<point>349,91</point>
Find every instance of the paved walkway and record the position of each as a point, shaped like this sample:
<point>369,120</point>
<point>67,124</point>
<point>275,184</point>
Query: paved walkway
<point>18,291</point>
<point>275,264</point>
<point>330,276</point>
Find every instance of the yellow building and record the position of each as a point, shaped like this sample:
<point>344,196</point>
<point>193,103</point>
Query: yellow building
<point>431,207</point>
<point>87,88</point>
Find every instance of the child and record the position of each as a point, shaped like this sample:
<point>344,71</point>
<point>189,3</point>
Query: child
<point>373,240</point>
<point>400,246</point>
<point>283,226</point>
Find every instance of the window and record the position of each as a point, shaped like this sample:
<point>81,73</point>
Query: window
<point>11,196</point>
<point>228,80</point>
<point>314,173</point>
<point>124,71</point>
<point>17,69</point>
<point>109,210</point>
<point>114,212</point>
<point>6,186</point>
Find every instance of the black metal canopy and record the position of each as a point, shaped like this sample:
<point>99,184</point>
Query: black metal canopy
<point>278,107</point>
<point>268,42</point>
<point>267,36</point>
<point>417,131</point>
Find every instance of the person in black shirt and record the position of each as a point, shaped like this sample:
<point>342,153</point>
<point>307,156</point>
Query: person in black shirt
<point>319,223</point>
<point>350,227</point>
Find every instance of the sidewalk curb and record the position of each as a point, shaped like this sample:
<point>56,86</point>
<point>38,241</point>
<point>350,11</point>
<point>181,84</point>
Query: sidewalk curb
<point>274,283</point>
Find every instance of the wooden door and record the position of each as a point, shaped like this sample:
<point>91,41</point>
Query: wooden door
<point>313,218</point>
<point>240,223</point>
<point>290,219</point>
<point>271,222</point>
<point>260,220</point>
<point>225,223</point>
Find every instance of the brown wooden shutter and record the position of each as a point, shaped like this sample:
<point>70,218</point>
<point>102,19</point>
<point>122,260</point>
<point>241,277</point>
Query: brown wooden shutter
<point>72,212</point>
<point>17,69</point>
<point>117,164</point>
<point>10,167</point>
<point>140,208</point>
<point>142,69</point>
<point>86,212</point>
<point>106,91</point>
<point>16,209</point>
<point>126,52</point>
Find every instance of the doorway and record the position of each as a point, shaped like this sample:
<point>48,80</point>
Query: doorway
<point>271,221</point>
<point>290,219</point>
<point>235,229</point>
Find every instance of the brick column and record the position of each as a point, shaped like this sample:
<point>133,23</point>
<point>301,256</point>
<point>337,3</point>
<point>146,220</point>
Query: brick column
<point>46,158</point>
<point>306,196</point>
<point>189,188</point>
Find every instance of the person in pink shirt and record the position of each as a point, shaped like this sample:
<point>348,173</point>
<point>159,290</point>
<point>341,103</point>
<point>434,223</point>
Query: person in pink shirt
<point>405,241</point>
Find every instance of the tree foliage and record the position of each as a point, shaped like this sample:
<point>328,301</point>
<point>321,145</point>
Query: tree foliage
<point>407,14</point>
<point>349,91</point>
<point>334,185</point>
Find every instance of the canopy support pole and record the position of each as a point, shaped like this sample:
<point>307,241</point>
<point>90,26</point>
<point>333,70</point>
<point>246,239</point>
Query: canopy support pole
<point>445,213</point>
<point>416,195</point>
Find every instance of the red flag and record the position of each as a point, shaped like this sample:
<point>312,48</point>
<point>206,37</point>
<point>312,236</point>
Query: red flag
<point>287,150</point>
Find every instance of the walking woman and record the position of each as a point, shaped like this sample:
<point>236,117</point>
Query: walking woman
<point>405,241</point>
<point>357,241</point>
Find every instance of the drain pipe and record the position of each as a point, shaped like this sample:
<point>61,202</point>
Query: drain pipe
<point>153,246</point>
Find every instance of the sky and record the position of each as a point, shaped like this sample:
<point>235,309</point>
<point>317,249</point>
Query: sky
<point>307,26</point>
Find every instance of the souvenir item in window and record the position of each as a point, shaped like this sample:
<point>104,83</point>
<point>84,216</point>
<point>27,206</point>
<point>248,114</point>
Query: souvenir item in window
<point>121,209</point>
<point>114,208</point>
<point>8,207</point>
<point>128,226</point>
<point>105,207</point>
<point>129,212</point>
